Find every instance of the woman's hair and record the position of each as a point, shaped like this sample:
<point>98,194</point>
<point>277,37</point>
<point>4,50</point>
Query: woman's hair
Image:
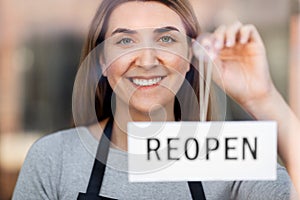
<point>103,97</point>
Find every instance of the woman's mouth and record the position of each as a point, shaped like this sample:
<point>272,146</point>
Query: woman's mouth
<point>142,82</point>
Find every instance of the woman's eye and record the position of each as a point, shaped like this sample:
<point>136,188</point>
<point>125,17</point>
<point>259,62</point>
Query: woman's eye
<point>125,41</point>
<point>166,39</point>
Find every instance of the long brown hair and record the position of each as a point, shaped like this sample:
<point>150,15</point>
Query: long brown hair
<point>104,93</point>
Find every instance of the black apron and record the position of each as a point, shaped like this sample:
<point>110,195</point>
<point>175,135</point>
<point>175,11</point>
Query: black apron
<point>96,178</point>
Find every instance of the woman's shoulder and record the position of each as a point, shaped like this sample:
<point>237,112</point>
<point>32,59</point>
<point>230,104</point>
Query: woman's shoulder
<point>60,136</point>
<point>56,142</point>
<point>46,162</point>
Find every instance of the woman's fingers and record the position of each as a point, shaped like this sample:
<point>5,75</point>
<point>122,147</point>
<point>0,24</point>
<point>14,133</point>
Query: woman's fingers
<point>249,33</point>
<point>225,38</point>
<point>219,35</point>
<point>245,33</point>
<point>204,45</point>
<point>237,33</point>
<point>232,34</point>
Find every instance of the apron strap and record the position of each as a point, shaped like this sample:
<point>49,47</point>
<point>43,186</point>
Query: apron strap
<point>197,191</point>
<point>96,178</point>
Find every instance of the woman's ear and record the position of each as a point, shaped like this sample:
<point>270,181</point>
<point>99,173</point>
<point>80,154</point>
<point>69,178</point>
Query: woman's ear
<point>102,64</point>
<point>191,54</point>
<point>191,51</point>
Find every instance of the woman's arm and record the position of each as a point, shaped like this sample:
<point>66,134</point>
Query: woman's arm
<point>242,71</point>
<point>275,108</point>
<point>40,172</point>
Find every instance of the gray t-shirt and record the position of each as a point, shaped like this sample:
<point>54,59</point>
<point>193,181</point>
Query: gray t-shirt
<point>58,166</point>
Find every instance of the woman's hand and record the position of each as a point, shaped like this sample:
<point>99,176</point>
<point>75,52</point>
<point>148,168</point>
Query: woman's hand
<point>242,71</point>
<point>241,66</point>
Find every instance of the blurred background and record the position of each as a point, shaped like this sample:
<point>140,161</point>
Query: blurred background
<point>40,46</point>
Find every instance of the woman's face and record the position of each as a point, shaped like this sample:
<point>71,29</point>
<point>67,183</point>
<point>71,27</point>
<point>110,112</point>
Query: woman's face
<point>146,55</point>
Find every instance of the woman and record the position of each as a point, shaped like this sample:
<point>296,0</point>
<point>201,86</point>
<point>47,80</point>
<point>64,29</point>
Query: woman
<point>145,58</point>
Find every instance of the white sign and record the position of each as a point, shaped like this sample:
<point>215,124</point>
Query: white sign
<point>202,151</point>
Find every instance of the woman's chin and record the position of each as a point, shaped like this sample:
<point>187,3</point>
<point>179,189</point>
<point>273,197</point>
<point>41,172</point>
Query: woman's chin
<point>149,111</point>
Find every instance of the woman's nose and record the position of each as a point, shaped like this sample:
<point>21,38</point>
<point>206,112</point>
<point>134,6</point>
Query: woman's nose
<point>147,58</point>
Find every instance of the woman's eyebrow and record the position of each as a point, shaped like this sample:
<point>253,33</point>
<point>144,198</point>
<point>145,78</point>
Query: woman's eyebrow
<point>165,29</point>
<point>123,30</point>
<point>157,30</point>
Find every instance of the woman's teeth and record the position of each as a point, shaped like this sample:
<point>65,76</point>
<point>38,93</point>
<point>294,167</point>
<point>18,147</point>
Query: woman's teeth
<point>146,82</point>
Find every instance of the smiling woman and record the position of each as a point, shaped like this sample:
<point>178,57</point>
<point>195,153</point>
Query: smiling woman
<point>127,36</point>
<point>146,72</point>
<point>151,70</point>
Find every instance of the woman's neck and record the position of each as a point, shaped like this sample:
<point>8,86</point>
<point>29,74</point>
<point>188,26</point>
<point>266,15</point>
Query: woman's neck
<point>125,114</point>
